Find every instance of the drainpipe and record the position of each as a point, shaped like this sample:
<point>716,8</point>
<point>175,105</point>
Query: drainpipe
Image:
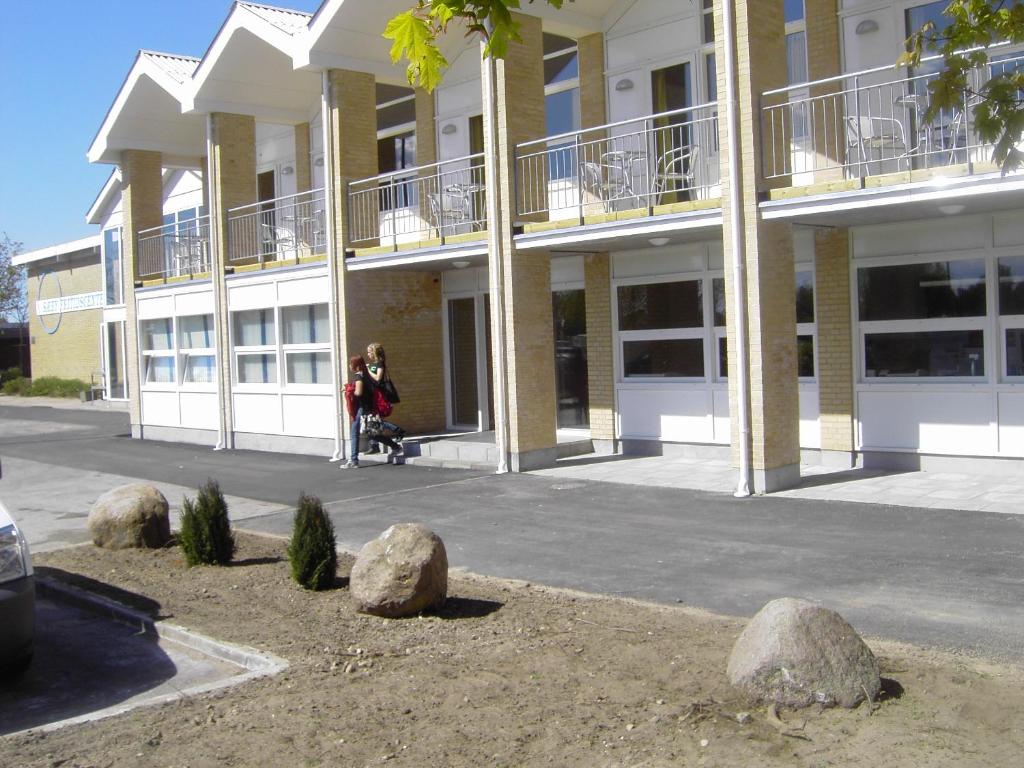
<point>495,272</point>
<point>216,265</point>
<point>739,269</point>
<point>326,129</point>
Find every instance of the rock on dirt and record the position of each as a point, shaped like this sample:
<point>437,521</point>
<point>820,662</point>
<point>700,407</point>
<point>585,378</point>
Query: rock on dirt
<point>130,516</point>
<point>400,573</point>
<point>796,653</point>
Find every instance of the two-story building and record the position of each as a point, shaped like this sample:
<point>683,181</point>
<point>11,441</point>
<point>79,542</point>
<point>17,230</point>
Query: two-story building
<point>657,225</point>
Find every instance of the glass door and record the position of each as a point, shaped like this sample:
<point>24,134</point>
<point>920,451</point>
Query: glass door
<point>469,362</point>
<point>675,151</point>
<point>569,311</point>
<point>113,361</point>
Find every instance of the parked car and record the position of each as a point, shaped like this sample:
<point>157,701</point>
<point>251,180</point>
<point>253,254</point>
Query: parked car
<point>17,598</point>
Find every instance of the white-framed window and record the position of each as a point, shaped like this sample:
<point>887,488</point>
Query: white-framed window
<point>156,339</point>
<point>396,143</point>
<point>305,332</point>
<point>1010,277</point>
<point>923,319</point>
<point>661,329</point>
<point>255,346</point>
<point>197,349</point>
<point>113,280</point>
<point>561,100</point>
<point>796,65</point>
<point>806,326</point>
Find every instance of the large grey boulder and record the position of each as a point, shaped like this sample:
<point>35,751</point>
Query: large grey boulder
<point>797,653</point>
<point>130,516</point>
<point>400,573</point>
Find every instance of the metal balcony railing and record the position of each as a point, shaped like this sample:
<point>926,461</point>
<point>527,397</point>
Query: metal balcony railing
<point>437,200</point>
<point>175,250</point>
<point>282,229</point>
<point>642,163</point>
<point>872,122</point>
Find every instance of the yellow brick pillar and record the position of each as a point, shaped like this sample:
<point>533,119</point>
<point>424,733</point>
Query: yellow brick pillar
<point>821,23</point>
<point>600,354</point>
<point>835,346</point>
<point>303,166</point>
<point>351,154</point>
<point>529,363</point>
<point>767,249</point>
<point>142,206</point>
<point>232,183</point>
<point>590,50</point>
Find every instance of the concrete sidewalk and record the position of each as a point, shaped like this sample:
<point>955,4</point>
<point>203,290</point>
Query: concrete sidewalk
<point>930,576</point>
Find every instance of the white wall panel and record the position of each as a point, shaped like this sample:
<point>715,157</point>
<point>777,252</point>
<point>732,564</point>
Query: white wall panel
<point>645,262</point>
<point>252,296</point>
<point>1008,228</point>
<point>567,269</point>
<point>307,290</point>
<point>155,307</point>
<point>810,428</point>
<point>199,410</point>
<point>309,415</point>
<point>160,409</point>
<point>666,413</point>
<point>931,236</point>
<point>722,422</point>
<point>660,40</point>
<point>194,303</point>
<point>1011,423</point>
<point>930,422</point>
<point>257,412</point>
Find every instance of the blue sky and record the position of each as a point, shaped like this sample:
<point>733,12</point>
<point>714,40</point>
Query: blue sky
<point>61,64</point>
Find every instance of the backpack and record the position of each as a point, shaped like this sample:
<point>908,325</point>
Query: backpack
<point>381,404</point>
<point>351,401</point>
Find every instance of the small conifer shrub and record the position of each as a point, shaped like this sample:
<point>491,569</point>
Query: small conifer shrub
<point>311,551</point>
<point>205,529</point>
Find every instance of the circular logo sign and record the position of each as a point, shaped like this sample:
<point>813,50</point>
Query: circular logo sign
<point>49,295</point>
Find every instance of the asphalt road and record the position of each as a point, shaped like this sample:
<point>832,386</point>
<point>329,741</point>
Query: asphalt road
<point>950,579</point>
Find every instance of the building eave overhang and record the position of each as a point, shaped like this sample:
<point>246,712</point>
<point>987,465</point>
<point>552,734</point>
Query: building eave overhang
<point>70,248</point>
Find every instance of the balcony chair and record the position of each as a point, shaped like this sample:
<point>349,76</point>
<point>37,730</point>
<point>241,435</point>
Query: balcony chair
<point>606,182</point>
<point>876,139</point>
<point>279,243</point>
<point>451,208</point>
<point>675,172</point>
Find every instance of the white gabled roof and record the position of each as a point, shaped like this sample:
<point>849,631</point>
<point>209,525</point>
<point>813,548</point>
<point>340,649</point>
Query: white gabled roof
<point>146,113</point>
<point>285,19</point>
<point>61,249</point>
<point>111,189</point>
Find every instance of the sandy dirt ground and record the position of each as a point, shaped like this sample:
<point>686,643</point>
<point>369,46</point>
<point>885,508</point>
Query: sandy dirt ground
<point>507,674</point>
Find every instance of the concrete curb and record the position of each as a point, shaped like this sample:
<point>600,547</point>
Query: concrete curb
<point>256,663</point>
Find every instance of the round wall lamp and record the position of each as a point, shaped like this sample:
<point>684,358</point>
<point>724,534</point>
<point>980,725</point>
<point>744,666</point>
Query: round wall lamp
<point>866,27</point>
<point>625,84</point>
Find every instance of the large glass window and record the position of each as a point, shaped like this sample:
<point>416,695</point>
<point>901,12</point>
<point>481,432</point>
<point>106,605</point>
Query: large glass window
<point>196,343</point>
<point>1010,275</point>
<point>255,340</point>
<point>112,265</point>
<point>923,320</point>
<point>156,339</point>
<point>661,329</point>
<point>922,291</point>
<point>561,101</point>
<point>305,334</point>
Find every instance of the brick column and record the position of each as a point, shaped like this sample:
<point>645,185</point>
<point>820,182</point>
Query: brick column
<point>592,85</point>
<point>768,255</point>
<point>303,167</point>
<point>821,20</point>
<point>142,206</point>
<point>600,355</point>
<point>835,346</point>
<point>529,365</point>
<point>232,183</point>
<point>351,155</point>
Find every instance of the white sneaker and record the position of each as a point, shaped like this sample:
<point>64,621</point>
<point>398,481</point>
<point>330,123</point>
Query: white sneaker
<point>351,464</point>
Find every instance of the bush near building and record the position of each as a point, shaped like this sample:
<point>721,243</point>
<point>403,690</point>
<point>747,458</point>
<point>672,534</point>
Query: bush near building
<point>45,386</point>
<point>311,552</point>
<point>205,535</point>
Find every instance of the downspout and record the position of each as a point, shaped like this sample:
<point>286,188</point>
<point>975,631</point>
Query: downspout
<point>326,129</point>
<point>218,275</point>
<point>495,270</point>
<point>739,269</point>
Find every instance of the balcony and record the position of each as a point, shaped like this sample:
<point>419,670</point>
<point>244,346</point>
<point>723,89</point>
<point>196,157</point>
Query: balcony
<point>428,206</point>
<point>178,251</point>
<point>870,128</point>
<point>660,164</point>
<point>276,232</point>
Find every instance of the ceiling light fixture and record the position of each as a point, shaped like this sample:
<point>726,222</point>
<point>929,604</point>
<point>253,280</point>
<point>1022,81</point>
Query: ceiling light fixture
<point>460,264</point>
<point>951,210</point>
<point>657,242</point>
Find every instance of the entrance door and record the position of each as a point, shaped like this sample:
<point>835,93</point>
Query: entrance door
<point>469,362</point>
<point>569,310</point>
<point>674,143</point>
<point>113,361</point>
